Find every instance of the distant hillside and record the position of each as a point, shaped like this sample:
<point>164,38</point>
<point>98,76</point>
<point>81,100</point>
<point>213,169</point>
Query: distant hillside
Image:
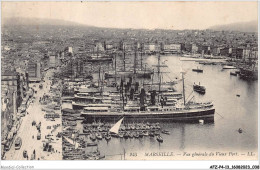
<point>251,26</point>
<point>37,21</point>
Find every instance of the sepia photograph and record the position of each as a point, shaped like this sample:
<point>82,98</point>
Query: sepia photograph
<point>174,81</point>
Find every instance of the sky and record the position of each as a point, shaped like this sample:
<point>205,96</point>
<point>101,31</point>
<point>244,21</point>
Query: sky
<point>146,15</point>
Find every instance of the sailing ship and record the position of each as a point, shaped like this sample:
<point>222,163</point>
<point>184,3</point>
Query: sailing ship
<point>139,73</point>
<point>249,71</point>
<point>100,58</point>
<point>145,106</point>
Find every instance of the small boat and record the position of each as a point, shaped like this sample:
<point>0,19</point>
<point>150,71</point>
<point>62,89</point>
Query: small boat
<point>157,127</point>
<point>99,129</point>
<point>198,88</point>
<point>166,132</point>
<point>115,135</point>
<point>141,134</point>
<point>92,137</point>
<point>127,127</point>
<point>151,134</point>
<point>147,127</point>
<point>145,133</point>
<point>131,135</point>
<point>159,138</point>
<point>238,95</point>
<point>107,136</point>
<point>237,71</point>
<point>91,144</point>
<point>121,134</point>
<point>240,130</point>
<point>80,118</point>
<point>126,135</point>
<point>228,67</point>
<point>142,127</point>
<point>152,127</point>
<point>115,129</point>
<point>233,73</point>
<point>197,70</point>
<point>132,127</point>
<point>123,128</point>
<point>101,157</point>
<point>156,133</point>
<point>99,136</point>
<point>136,135</point>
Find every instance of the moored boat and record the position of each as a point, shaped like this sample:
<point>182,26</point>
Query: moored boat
<point>198,88</point>
<point>165,132</point>
<point>198,70</point>
<point>159,138</point>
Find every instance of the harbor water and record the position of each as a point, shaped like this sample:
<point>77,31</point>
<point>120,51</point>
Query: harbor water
<point>235,101</point>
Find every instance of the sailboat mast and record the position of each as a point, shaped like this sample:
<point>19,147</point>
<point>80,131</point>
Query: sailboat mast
<point>144,74</point>
<point>142,56</point>
<point>102,82</point>
<point>135,61</point>
<point>124,58</point>
<point>99,76</point>
<point>97,51</point>
<point>183,88</point>
<point>122,91</point>
<point>159,75</point>
<point>115,69</point>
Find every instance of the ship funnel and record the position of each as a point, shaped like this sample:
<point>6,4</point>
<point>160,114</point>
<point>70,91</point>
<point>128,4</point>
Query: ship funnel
<point>136,86</point>
<point>132,94</point>
<point>153,94</point>
<point>142,100</point>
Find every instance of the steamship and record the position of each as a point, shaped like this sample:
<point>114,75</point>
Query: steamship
<point>154,105</point>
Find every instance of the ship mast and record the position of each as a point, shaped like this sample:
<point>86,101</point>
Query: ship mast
<point>124,58</point>
<point>135,63</point>
<point>122,93</point>
<point>115,69</point>
<point>159,75</point>
<point>97,51</point>
<point>135,60</point>
<point>142,56</point>
<point>99,77</point>
<point>183,88</point>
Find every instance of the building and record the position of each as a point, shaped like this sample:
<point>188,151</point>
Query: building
<point>246,54</point>
<point>204,49</point>
<point>11,85</point>
<point>237,53</point>
<point>172,48</point>
<point>34,71</point>
<point>151,47</point>
<point>99,47</point>
<point>52,61</point>
<point>215,50</point>
<point>70,50</point>
<point>188,47</point>
<point>224,51</point>
<point>250,54</point>
<point>194,48</point>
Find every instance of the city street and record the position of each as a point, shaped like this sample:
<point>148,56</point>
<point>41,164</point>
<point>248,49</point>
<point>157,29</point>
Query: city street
<point>28,133</point>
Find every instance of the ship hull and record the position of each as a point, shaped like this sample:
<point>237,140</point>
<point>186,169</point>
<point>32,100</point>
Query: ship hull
<point>248,74</point>
<point>188,116</point>
<point>100,60</point>
<point>129,74</point>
